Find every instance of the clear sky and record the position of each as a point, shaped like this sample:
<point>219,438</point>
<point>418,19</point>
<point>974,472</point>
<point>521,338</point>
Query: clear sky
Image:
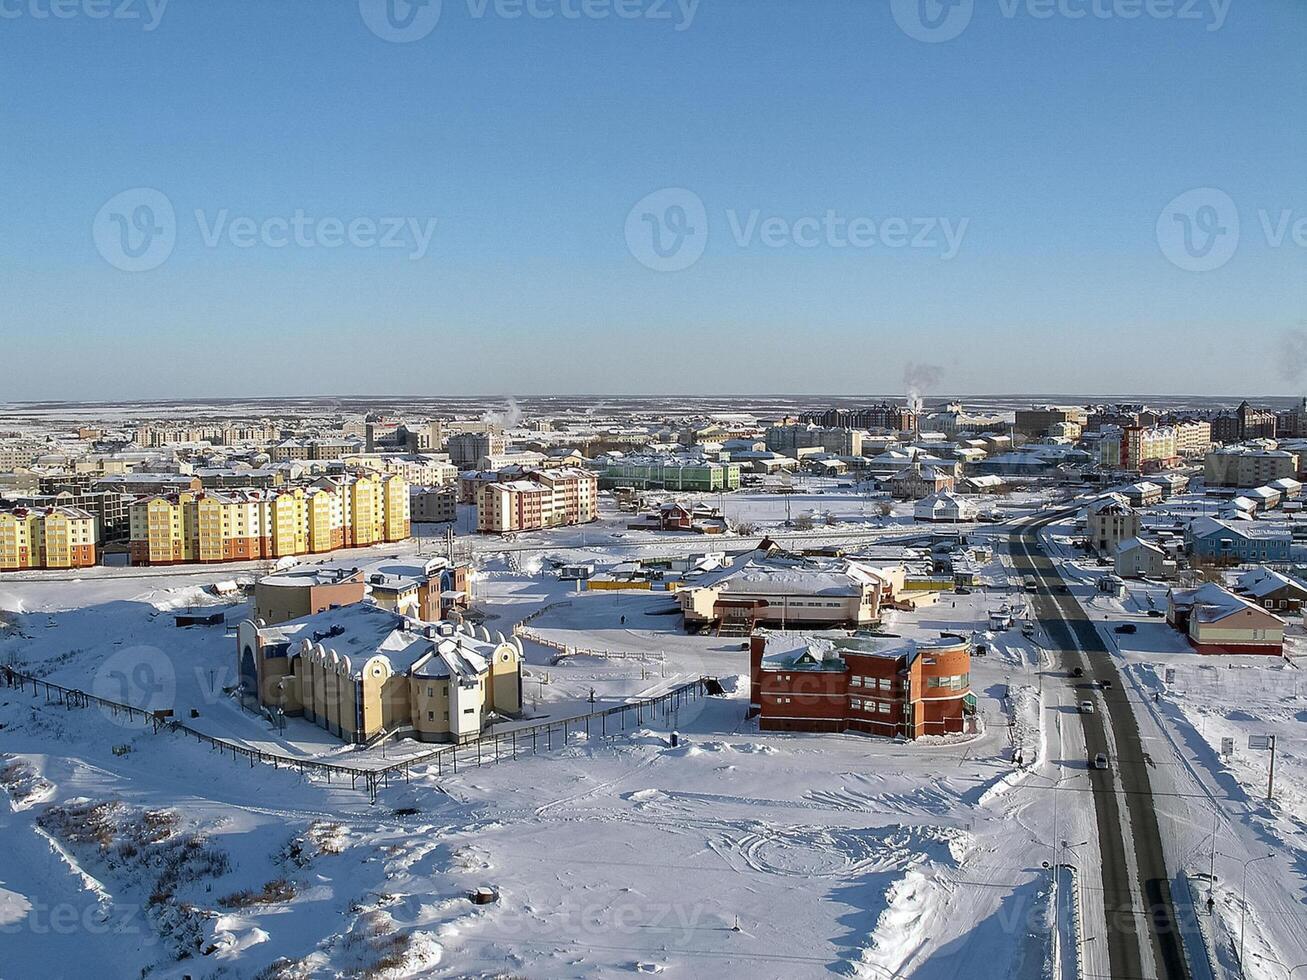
<point>845,198</point>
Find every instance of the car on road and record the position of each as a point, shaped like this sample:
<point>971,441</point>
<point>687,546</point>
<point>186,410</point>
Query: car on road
<point>1105,683</point>
<point>1125,628</point>
<point>1078,672</point>
<point>1156,613</point>
<point>1086,707</point>
<point>962,590</point>
<point>1100,760</point>
<point>1063,589</point>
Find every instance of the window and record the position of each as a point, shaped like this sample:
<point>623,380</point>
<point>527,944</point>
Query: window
<point>855,681</point>
<point>431,716</point>
<point>855,704</point>
<point>883,707</point>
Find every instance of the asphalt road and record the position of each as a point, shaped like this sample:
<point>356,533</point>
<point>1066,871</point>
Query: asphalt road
<point>1136,908</point>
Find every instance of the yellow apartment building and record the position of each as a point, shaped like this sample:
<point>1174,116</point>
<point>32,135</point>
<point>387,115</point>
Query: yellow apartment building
<point>47,537</point>
<point>245,525</point>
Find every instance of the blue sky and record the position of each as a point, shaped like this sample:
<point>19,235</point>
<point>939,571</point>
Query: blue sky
<point>1050,145</point>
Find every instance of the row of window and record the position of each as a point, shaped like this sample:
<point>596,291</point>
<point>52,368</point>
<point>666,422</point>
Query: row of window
<point>873,683</point>
<point>955,682</point>
<point>874,707</point>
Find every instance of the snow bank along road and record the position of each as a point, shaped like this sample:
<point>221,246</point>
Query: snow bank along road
<point>1135,909</point>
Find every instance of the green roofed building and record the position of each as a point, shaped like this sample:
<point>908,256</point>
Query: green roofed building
<point>670,473</point>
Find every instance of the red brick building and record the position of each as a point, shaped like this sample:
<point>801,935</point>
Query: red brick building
<point>874,685</point>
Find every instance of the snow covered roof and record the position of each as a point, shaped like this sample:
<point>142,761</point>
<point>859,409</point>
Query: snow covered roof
<point>1260,581</point>
<point>1132,544</point>
<point>1210,603</point>
<point>356,633</point>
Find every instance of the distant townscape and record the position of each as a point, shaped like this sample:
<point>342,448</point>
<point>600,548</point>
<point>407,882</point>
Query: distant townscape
<point>389,686</point>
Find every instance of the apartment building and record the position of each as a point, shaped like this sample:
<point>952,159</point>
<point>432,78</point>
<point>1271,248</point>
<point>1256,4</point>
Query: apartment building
<point>436,506</point>
<point>243,525</point>
<point>1243,423</point>
<point>885,417</point>
<point>417,469</point>
<point>1193,437</point>
<point>1214,542</point>
<point>465,448</point>
<point>1108,522</point>
<point>538,499</point>
<point>19,455</point>
<point>1248,466</point>
<point>1037,420</point>
<point>108,507</point>
<point>670,473</point>
<point>46,537</point>
<point>1138,448</point>
<point>790,439</point>
<point>873,685</point>
<point>361,671</point>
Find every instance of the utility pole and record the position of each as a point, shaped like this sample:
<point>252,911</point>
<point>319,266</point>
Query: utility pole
<point>1270,779</point>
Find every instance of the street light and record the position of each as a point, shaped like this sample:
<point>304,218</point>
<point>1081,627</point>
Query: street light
<point>1243,903</point>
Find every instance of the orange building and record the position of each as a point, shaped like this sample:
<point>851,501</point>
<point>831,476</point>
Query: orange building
<point>244,525</point>
<point>47,537</point>
<point>804,682</point>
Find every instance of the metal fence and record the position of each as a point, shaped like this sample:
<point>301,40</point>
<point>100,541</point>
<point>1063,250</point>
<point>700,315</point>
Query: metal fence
<point>490,748</point>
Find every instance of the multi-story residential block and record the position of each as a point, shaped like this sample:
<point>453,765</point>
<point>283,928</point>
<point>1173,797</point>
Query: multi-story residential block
<point>1193,437</point>
<point>1036,421</point>
<point>361,671</point>
<point>1247,466</point>
<point>670,473</point>
<point>874,685</point>
<point>465,448</point>
<point>241,525</point>
<point>108,507</point>
<point>1108,522</point>
<point>435,506</point>
<point>1138,448</point>
<point>418,469</point>
<point>538,499</point>
<point>885,417</point>
<point>46,537</point>
<point>789,439</point>
<point>1243,423</point>
<point>19,455</point>
<point>1215,542</point>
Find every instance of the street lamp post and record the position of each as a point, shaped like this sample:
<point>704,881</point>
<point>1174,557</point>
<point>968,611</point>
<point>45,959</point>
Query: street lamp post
<point>1243,904</point>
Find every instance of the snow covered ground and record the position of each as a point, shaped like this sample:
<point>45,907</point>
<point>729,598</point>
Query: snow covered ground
<point>734,853</point>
